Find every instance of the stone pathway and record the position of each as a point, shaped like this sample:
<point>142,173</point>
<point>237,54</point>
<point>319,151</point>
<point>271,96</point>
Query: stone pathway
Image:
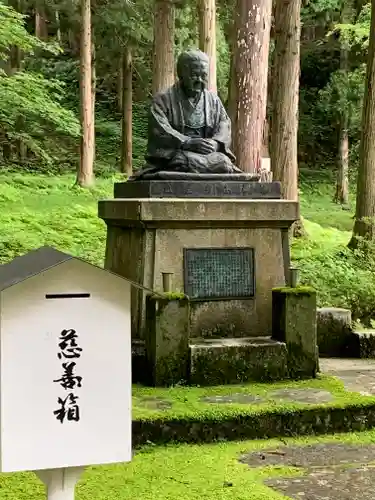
<point>330,471</point>
<point>358,375</point>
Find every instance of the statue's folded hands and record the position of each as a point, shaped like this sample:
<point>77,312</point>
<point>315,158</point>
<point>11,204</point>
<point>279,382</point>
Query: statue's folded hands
<point>202,146</point>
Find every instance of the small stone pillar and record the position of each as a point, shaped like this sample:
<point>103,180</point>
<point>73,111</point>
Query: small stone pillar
<point>167,338</point>
<point>294,322</point>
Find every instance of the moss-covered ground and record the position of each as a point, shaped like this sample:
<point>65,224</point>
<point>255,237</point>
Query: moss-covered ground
<point>189,472</point>
<point>188,402</point>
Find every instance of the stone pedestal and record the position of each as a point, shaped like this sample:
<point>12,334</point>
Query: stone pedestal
<point>294,322</point>
<point>148,237</point>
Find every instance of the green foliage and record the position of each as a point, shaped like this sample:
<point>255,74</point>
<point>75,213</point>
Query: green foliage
<point>356,33</point>
<point>29,104</point>
<point>341,277</point>
<point>12,32</point>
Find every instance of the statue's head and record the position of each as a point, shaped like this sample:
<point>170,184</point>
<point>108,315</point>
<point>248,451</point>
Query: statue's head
<point>192,71</point>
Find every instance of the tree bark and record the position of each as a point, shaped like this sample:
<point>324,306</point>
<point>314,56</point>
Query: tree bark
<point>285,81</point>
<point>365,204</point>
<point>41,30</point>
<point>58,28</point>
<point>207,37</point>
<point>127,100</point>
<point>250,70</point>
<point>342,182</point>
<point>120,83</point>
<point>163,64</point>
<point>93,94</point>
<point>85,173</point>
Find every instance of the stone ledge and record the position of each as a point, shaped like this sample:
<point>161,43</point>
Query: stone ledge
<point>201,188</point>
<point>234,360</point>
<point>279,212</point>
<point>259,425</point>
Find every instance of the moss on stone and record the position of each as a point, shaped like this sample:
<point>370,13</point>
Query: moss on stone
<point>301,363</point>
<point>299,290</point>
<point>175,296</point>
<point>277,422</point>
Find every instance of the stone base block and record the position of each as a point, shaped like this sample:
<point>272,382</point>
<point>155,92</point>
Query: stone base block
<point>363,344</point>
<point>294,322</point>
<point>334,330</point>
<point>230,361</point>
<point>167,334</point>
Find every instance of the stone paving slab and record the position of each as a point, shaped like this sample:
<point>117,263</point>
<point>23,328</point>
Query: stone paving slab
<point>305,395</point>
<point>358,375</point>
<point>355,483</point>
<point>238,398</point>
<point>314,455</point>
<point>154,403</point>
<point>330,471</point>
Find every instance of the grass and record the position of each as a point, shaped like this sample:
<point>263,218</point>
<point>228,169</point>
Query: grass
<point>41,210</point>
<point>186,402</point>
<point>37,210</point>
<point>190,472</point>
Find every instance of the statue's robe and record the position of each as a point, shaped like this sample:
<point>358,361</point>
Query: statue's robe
<point>173,120</point>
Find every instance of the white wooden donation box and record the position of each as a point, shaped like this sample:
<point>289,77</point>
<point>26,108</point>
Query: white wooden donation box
<point>65,368</point>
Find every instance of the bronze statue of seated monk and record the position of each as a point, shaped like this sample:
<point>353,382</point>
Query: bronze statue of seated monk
<point>189,130</point>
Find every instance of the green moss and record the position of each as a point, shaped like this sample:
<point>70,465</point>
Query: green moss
<point>186,402</point>
<point>299,290</point>
<point>175,296</point>
<point>191,472</point>
<point>300,363</point>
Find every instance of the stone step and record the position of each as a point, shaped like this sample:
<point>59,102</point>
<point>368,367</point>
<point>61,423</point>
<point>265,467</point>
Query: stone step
<point>236,360</point>
<point>363,344</point>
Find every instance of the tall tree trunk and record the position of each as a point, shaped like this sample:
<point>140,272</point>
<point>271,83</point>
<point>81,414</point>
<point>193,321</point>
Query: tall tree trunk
<point>58,27</point>
<point>163,64</point>
<point>365,205</point>
<point>232,94</point>
<point>250,69</point>
<point>41,30</point>
<point>285,81</point>
<point>15,61</point>
<point>207,37</point>
<point>120,83</point>
<point>127,101</point>
<point>85,173</point>
<point>93,93</point>
<point>342,182</point>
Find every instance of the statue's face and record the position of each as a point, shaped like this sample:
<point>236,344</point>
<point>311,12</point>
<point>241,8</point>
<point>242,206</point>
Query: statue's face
<point>195,77</point>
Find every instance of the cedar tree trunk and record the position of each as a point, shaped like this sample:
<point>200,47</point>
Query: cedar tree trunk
<point>250,70</point>
<point>365,205</point>
<point>164,64</point>
<point>285,82</point>
<point>207,37</point>
<point>127,100</point>
<point>85,174</point>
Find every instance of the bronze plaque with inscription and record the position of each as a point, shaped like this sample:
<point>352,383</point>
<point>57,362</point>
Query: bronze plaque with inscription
<point>219,273</point>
